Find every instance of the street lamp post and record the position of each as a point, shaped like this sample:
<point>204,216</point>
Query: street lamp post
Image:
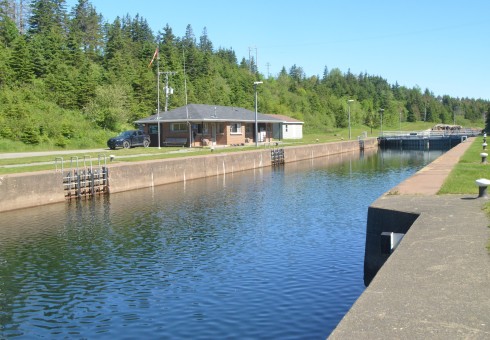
<point>381,114</point>
<point>256,124</point>
<point>348,103</point>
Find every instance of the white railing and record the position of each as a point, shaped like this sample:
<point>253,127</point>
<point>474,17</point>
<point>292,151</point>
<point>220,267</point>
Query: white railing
<point>429,133</point>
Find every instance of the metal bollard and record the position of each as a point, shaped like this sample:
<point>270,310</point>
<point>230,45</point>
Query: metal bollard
<point>482,184</point>
<point>484,146</point>
<point>484,156</point>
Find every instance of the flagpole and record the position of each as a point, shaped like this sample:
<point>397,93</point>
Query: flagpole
<point>158,96</point>
<point>189,126</point>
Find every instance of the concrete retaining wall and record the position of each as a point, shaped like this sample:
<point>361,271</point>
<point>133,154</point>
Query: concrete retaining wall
<point>30,189</point>
<point>380,221</point>
<point>435,284</point>
<point>40,188</point>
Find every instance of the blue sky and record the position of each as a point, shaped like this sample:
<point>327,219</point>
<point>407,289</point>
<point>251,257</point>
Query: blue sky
<point>443,45</point>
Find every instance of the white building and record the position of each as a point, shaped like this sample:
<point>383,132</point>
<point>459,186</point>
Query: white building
<point>289,128</point>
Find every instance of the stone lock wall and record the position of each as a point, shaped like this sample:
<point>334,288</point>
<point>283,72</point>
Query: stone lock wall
<point>45,187</point>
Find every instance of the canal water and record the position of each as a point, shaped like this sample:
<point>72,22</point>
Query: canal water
<point>270,253</point>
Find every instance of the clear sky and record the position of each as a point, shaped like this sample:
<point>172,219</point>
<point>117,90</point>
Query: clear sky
<point>442,45</point>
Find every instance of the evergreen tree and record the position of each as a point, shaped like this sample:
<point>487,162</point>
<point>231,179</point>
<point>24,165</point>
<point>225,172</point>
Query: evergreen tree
<point>86,29</point>
<point>20,63</point>
<point>47,15</point>
<point>8,29</point>
<point>296,73</point>
<point>65,66</point>
<point>88,80</point>
<point>60,86</point>
<point>170,59</point>
<point>205,45</point>
<point>189,40</point>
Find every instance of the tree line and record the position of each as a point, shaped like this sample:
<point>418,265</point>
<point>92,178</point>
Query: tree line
<point>66,75</point>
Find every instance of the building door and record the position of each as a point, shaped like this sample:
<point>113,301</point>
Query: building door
<point>153,132</point>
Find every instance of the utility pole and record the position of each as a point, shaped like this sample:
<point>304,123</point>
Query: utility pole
<point>167,89</point>
<point>250,60</point>
<point>256,122</point>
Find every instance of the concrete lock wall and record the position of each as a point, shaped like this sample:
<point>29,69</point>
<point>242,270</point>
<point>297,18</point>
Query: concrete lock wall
<point>45,187</point>
<point>382,221</point>
<point>30,189</point>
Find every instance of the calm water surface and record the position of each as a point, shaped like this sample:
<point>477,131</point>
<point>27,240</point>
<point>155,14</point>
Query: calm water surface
<point>271,253</point>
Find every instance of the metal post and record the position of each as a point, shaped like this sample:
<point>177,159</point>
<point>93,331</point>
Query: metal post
<point>400,121</point>
<point>166,91</point>
<point>348,103</point>
<point>381,114</point>
<point>256,123</point>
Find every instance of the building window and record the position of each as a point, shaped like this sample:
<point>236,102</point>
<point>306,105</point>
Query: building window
<point>178,127</point>
<point>286,126</point>
<point>236,128</point>
<point>153,129</point>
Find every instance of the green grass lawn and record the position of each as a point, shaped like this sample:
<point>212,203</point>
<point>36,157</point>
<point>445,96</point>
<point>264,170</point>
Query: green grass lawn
<point>462,178</point>
<point>28,164</point>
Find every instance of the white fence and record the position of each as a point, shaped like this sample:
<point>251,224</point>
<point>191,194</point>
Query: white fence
<point>431,134</point>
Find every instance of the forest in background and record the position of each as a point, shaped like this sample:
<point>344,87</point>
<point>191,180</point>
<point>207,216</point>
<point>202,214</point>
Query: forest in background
<point>68,79</point>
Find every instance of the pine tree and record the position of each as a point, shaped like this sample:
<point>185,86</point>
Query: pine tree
<point>189,40</point>
<point>20,63</point>
<point>487,119</point>
<point>47,15</point>
<point>205,45</point>
<point>86,29</point>
<point>8,29</point>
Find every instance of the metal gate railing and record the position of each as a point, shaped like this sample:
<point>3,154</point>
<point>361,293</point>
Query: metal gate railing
<point>277,157</point>
<point>85,180</point>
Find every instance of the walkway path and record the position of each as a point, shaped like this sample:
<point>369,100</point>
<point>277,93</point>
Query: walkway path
<point>429,180</point>
<point>21,155</point>
<point>436,285</point>
<point>11,155</point>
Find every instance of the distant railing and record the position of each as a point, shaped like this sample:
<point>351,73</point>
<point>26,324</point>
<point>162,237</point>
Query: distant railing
<point>429,134</point>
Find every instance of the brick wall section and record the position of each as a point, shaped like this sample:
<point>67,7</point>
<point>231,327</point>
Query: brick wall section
<point>45,187</point>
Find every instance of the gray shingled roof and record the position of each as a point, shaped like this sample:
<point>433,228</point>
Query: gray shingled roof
<point>206,113</point>
<point>286,119</point>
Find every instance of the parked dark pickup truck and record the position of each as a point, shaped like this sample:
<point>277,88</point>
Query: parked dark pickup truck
<point>129,139</point>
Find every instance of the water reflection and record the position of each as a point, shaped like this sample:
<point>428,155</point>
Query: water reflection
<point>267,253</point>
